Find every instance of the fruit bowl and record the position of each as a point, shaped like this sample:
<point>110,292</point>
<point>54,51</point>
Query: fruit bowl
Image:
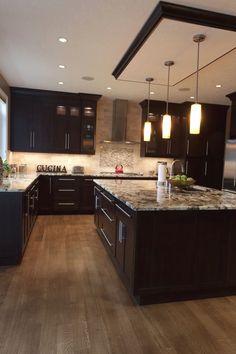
<point>182,183</point>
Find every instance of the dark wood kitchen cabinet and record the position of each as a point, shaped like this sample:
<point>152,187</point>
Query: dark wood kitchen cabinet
<point>158,147</point>
<point>88,126</point>
<point>124,254</point>
<point>86,195</point>
<point>18,214</point>
<point>31,123</point>
<point>204,155</point>
<point>67,122</point>
<point>45,194</point>
<point>51,121</point>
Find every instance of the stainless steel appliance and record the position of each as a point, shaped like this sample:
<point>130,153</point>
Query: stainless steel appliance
<point>229,181</point>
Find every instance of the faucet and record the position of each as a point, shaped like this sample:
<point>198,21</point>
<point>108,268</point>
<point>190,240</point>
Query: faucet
<point>179,169</point>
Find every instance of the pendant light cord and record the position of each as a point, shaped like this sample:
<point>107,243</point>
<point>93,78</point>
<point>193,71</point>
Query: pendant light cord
<point>149,83</point>
<point>168,90</point>
<point>198,50</point>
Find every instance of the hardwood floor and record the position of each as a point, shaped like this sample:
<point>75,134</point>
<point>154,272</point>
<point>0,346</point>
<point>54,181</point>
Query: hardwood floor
<point>66,297</point>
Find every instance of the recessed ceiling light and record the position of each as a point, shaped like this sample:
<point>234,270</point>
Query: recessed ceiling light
<point>61,66</point>
<point>192,97</point>
<point>108,88</point>
<point>87,78</point>
<point>60,82</point>
<point>218,86</point>
<point>152,93</point>
<point>62,39</point>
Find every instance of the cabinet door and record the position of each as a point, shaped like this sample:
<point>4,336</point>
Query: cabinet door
<point>73,128</point>
<point>60,138</point>
<point>231,269</point>
<point>88,127</point>
<point>45,194</point>
<point>178,136</point>
<point>21,123</point>
<point>87,195</point>
<point>195,167</point>
<point>125,243</point>
<point>212,229</point>
<point>97,207</point>
<point>43,114</point>
<point>214,172</point>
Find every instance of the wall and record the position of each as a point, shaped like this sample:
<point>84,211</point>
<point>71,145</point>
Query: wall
<point>5,95</point>
<point>107,155</point>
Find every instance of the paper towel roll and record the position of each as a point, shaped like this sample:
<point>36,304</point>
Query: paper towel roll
<point>161,173</point>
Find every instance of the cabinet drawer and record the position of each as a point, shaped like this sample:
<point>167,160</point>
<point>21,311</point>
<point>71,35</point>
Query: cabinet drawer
<point>65,182</point>
<point>66,194</point>
<point>108,232</point>
<point>66,205</point>
<point>107,206</point>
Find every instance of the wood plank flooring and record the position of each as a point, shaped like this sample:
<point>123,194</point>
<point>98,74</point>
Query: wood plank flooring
<point>66,297</point>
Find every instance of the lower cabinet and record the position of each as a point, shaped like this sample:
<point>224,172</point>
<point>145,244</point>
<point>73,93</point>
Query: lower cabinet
<point>66,194</point>
<point>114,222</point>
<point>18,214</point>
<point>125,243</point>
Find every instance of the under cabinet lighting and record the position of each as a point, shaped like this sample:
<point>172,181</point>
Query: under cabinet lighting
<point>218,86</point>
<point>61,66</point>
<point>60,83</point>
<point>108,88</point>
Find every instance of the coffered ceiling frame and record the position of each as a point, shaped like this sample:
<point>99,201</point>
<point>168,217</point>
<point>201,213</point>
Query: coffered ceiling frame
<point>166,10</point>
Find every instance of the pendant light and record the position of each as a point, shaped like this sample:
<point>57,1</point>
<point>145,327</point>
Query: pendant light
<point>166,122</point>
<point>148,125</point>
<point>196,108</point>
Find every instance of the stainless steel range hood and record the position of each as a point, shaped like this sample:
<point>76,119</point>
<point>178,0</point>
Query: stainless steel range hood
<point>119,123</point>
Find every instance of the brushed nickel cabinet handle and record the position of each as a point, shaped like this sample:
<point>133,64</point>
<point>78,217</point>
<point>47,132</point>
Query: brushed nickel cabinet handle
<point>33,139</point>
<point>66,203</point>
<point>107,215</point>
<point>68,141</point>
<point>123,211</point>
<point>50,185</point>
<point>109,200</point>
<point>187,146</point>
<point>169,146</point>
<point>106,238</point>
<point>186,167</point>
<point>66,190</point>
<point>88,179</point>
<point>205,172</point>
<point>207,147</point>
<point>65,141</point>
<point>30,139</point>
<point>66,179</point>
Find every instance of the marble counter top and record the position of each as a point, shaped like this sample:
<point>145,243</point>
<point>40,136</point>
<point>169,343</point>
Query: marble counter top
<point>145,195</point>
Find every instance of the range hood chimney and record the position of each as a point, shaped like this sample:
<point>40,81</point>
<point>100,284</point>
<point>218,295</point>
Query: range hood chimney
<point>119,120</point>
<point>119,123</point>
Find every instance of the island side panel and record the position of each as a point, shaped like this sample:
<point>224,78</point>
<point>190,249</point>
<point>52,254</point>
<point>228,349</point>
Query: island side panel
<point>184,255</point>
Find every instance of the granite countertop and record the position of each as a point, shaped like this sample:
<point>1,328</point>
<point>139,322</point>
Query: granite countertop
<point>146,195</point>
<point>17,184</point>
<point>21,182</point>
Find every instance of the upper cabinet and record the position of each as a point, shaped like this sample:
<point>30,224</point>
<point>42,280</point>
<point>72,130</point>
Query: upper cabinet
<point>49,121</point>
<point>158,147</point>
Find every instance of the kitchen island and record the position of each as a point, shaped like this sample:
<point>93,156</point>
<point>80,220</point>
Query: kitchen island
<point>168,244</point>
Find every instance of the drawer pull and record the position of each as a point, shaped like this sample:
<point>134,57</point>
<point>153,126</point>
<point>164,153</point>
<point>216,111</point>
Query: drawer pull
<point>96,190</point>
<point>123,211</point>
<point>66,203</point>
<point>66,190</point>
<point>88,179</point>
<point>109,200</point>
<point>106,238</point>
<point>66,179</point>
<point>106,214</point>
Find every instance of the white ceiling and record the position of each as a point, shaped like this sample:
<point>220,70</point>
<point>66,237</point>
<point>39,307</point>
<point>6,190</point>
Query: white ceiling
<point>99,32</point>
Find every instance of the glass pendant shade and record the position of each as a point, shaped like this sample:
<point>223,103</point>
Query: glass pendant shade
<point>166,126</point>
<point>195,118</point>
<point>147,131</point>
